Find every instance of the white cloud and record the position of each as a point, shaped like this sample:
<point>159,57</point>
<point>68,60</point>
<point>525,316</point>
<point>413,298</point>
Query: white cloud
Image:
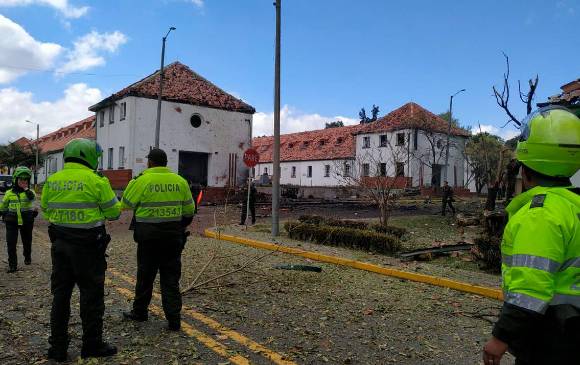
<point>62,6</point>
<point>22,52</point>
<point>18,106</point>
<point>505,133</point>
<point>292,120</point>
<point>198,3</point>
<point>88,49</point>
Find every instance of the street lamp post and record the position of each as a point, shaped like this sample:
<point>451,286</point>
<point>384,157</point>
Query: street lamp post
<point>448,133</point>
<point>158,122</point>
<point>36,157</point>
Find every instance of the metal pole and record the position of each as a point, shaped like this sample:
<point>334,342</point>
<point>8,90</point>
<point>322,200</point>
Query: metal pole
<point>448,133</point>
<point>36,162</point>
<point>158,121</point>
<point>276,162</point>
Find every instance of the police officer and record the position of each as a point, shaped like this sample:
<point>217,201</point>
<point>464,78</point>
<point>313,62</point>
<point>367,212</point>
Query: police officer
<point>18,214</point>
<point>163,208</point>
<point>447,198</point>
<point>540,318</point>
<point>77,201</point>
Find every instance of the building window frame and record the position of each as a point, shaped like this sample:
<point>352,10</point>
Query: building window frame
<point>293,172</point>
<point>400,139</point>
<point>121,157</point>
<point>383,140</point>
<point>110,158</point>
<point>346,169</point>
<point>366,170</point>
<point>326,170</point>
<point>101,117</point>
<point>382,169</point>
<point>112,114</point>
<point>309,171</point>
<point>366,142</point>
<point>122,111</point>
<point>400,169</point>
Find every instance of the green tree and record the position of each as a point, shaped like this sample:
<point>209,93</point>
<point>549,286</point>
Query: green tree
<point>335,124</point>
<point>483,153</point>
<point>12,155</point>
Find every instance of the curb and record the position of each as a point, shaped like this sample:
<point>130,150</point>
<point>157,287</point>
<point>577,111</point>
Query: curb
<point>488,292</point>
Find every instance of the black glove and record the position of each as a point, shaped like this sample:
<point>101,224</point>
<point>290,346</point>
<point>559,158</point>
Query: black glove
<point>29,194</point>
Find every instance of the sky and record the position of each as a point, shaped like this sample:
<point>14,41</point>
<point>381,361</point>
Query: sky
<point>58,57</point>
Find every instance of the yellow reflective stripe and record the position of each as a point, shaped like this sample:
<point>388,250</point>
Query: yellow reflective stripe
<point>72,205</point>
<point>526,301</point>
<point>159,204</point>
<point>111,203</point>
<point>157,219</point>
<point>532,262</point>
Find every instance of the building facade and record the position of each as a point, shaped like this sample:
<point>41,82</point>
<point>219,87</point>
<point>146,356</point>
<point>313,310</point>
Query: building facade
<point>203,130</point>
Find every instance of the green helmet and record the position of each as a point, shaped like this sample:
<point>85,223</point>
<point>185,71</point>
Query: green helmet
<point>21,172</point>
<point>83,150</point>
<point>550,142</point>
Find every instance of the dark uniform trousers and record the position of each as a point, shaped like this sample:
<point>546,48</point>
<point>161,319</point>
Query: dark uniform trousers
<point>163,256</point>
<point>83,264</point>
<point>245,212</point>
<point>12,230</point>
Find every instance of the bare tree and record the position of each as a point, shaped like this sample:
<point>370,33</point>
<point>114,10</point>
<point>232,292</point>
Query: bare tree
<point>434,152</point>
<point>502,98</point>
<point>377,175</point>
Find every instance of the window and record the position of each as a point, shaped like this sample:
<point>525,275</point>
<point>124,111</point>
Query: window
<point>415,138</point>
<point>195,121</point>
<point>326,170</point>
<point>101,118</point>
<point>266,170</point>
<point>110,161</point>
<point>366,142</point>
<point>293,174</point>
<point>346,169</point>
<point>309,171</point>
<point>366,169</point>
<point>383,140</point>
<point>400,139</point>
<point>121,157</point>
<point>382,169</point>
<point>112,114</point>
<point>101,162</point>
<point>123,111</point>
<point>53,165</point>
<point>400,171</point>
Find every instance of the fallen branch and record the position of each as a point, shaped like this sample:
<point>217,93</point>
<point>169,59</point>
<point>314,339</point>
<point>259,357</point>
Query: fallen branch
<point>190,286</point>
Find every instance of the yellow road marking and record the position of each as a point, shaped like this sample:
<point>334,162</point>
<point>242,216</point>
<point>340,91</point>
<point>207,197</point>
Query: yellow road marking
<point>492,293</point>
<point>189,330</point>
<point>238,337</point>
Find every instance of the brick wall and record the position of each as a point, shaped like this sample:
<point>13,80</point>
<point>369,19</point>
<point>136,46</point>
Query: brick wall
<point>118,178</point>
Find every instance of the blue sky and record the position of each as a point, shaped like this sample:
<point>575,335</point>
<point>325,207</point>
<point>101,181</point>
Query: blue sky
<point>338,55</point>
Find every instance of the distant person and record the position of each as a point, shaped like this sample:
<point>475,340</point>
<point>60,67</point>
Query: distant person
<point>447,198</point>
<point>18,214</point>
<point>252,207</point>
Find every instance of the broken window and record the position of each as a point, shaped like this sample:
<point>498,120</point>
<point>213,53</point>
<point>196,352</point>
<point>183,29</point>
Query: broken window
<point>383,140</point>
<point>400,139</point>
<point>366,169</point>
<point>366,142</point>
<point>400,170</point>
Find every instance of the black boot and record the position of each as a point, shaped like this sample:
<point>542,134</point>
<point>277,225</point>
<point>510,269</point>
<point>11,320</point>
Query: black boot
<point>57,355</point>
<point>11,270</point>
<point>174,325</point>
<point>27,261</point>
<point>135,316</point>
<point>102,349</point>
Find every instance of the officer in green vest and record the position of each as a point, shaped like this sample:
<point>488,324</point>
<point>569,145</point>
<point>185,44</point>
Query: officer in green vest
<point>77,201</point>
<point>18,214</point>
<point>540,318</point>
<point>163,208</point>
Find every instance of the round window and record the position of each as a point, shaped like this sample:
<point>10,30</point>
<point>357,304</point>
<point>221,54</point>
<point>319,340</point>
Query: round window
<point>195,121</point>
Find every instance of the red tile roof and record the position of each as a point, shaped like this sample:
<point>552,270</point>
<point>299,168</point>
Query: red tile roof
<point>182,85</point>
<point>23,142</point>
<point>56,140</point>
<point>411,116</point>
<point>307,146</point>
<point>324,144</point>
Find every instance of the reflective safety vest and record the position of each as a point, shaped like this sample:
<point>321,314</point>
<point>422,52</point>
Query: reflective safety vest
<point>541,250</point>
<point>14,204</point>
<point>158,195</point>
<point>78,197</point>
